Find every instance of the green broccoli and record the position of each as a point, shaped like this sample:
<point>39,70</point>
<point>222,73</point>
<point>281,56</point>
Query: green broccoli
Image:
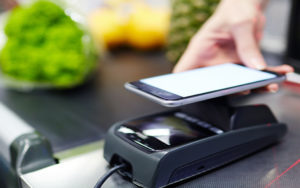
<point>44,45</point>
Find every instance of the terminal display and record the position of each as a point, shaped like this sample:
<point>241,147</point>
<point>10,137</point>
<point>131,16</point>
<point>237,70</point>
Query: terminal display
<point>166,131</point>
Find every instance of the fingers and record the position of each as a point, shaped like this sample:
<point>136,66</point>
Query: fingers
<point>200,51</point>
<point>247,47</point>
<point>273,88</point>
<point>243,93</point>
<point>259,27</point>
<point>282,69</point>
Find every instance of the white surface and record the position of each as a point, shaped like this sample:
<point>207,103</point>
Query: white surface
<point>11,127</point>
<point>293,77</point>
<point>203,80</point>
<point>82,171</point>
<point>70,173</point>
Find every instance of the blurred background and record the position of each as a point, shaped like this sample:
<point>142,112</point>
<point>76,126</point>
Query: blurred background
<point>96,29</point>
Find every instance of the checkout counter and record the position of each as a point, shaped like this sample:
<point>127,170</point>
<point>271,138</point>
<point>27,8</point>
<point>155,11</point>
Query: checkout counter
<point>75,121</point>
<point>71,125</point>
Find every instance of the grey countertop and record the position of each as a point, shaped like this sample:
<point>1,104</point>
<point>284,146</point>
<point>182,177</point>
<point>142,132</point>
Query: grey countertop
<point>277,166</point>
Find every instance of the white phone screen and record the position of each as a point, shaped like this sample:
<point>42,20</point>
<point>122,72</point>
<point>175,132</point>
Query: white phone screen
<point>208,79</point>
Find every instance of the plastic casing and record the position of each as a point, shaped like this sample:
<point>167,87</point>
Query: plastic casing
<point>161,168</point>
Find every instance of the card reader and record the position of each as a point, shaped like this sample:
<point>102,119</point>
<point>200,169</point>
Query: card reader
<point>168,147</point>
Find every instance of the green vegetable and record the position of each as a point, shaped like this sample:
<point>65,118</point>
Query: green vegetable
<point>44,45</point>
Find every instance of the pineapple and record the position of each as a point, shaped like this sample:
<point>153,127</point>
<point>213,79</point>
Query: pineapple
<point>187,17</point>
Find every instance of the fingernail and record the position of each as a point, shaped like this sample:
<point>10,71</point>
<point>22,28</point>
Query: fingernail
<point>273,90</point>
<point>257,64</point>
<point>260,67</point>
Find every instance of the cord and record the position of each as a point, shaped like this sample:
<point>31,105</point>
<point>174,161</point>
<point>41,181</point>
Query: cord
<point>108,174</point>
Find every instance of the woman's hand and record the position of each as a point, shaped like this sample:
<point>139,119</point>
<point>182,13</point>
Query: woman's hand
<point>232,34</point>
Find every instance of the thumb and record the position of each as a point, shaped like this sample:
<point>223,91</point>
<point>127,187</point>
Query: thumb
<point>247,46</point>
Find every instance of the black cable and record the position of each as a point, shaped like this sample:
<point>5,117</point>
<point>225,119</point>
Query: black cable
<point>108,174</point>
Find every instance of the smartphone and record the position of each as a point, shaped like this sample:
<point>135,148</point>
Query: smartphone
<point>173,90</point>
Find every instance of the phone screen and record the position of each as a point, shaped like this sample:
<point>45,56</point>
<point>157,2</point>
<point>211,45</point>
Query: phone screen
<point>208,79</point>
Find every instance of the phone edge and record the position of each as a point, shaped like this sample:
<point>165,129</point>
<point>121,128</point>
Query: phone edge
<point>181,102</point>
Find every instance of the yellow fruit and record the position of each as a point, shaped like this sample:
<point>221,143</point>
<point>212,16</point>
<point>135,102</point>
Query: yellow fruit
<point>130,22</point>
<point>116,3</point>
<point>147,27</point>
<point>108,26</point>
